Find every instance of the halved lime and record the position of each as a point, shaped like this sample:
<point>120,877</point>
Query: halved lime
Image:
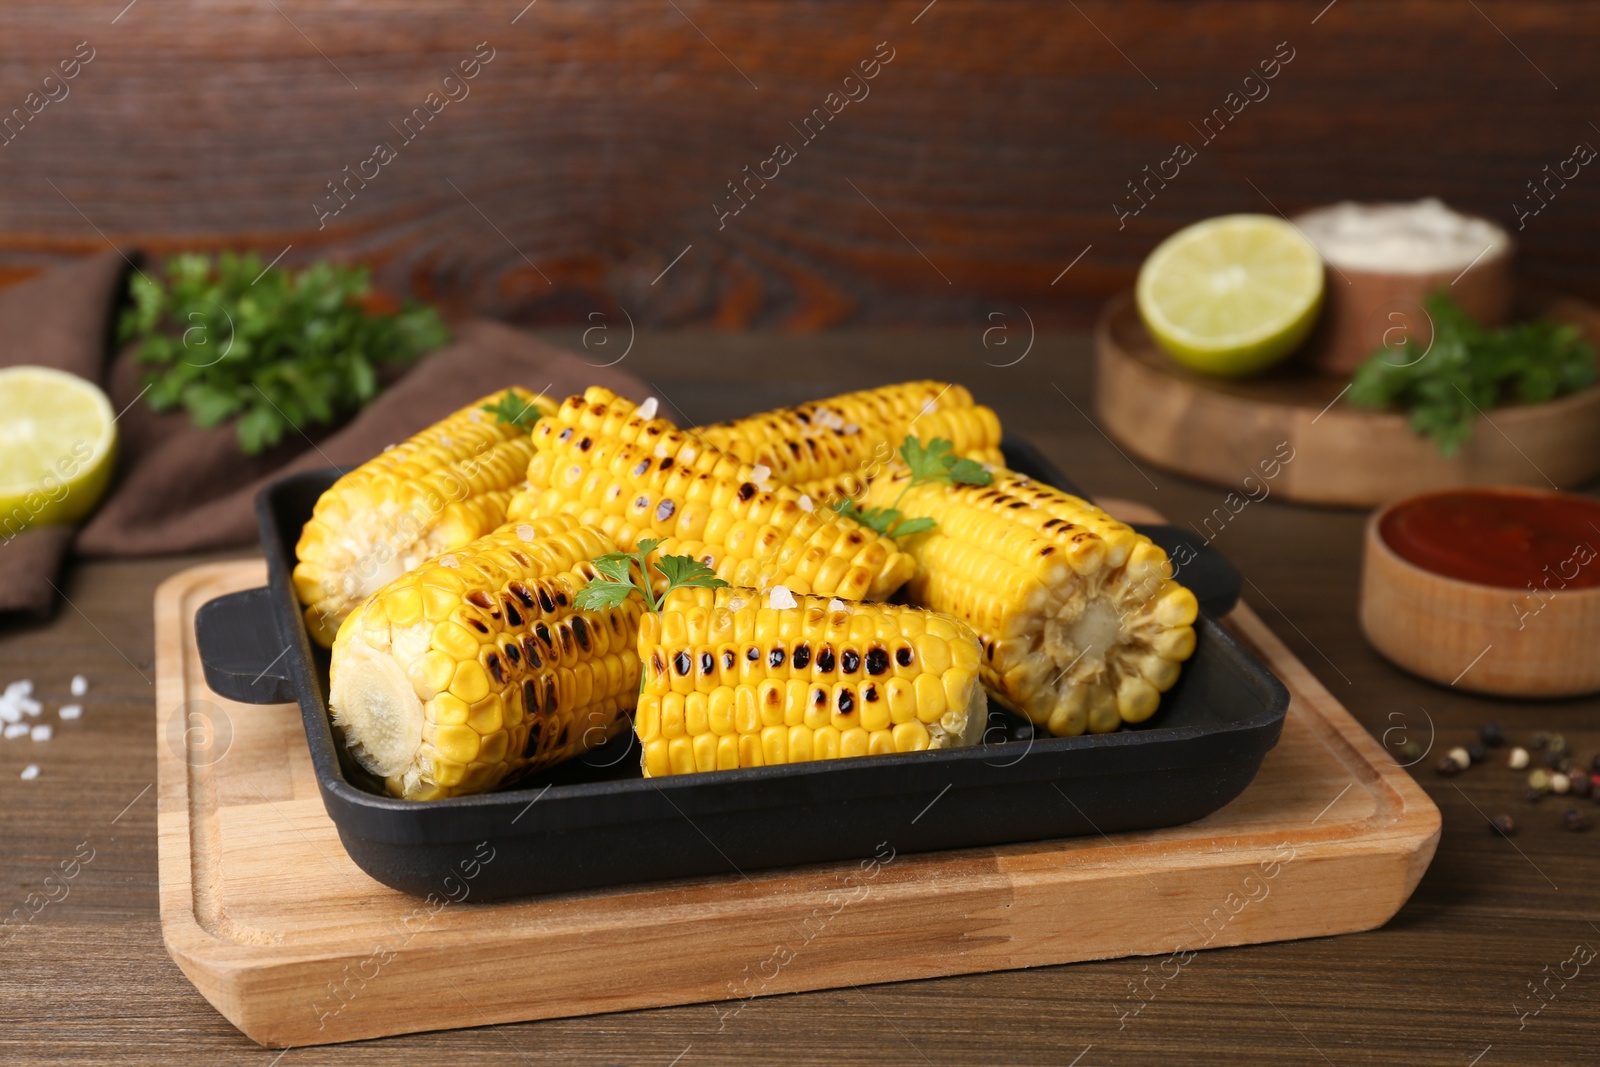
<point>1231,295</point>
<point>58,440</point>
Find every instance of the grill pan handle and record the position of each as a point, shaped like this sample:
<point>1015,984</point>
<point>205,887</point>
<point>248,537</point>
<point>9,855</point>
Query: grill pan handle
<point>244,656</point>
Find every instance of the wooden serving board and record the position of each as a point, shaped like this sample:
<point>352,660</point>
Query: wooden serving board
<point>1226,431</point>
<point>278,928</point>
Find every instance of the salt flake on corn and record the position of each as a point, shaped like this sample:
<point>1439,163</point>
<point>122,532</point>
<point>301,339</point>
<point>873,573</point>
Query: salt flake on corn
<point>781,599</point>
<point>647,410</point>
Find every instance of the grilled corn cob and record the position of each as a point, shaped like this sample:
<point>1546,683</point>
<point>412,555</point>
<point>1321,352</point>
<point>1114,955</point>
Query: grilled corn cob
<point>738,678</point>
<point>829,449</point>
<point>633,477</point>
<point>1082,626</point>
<point>474,667</point>
<point>436,491</point>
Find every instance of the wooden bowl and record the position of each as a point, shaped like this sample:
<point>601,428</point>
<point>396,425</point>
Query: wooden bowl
<point>1366,309</point>
<point>1318,448</point>
<point>1484,638</point>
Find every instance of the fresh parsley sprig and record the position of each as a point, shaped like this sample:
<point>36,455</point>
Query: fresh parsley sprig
<point>621,580</point>
<point>273,350</point>
<point>933,462</point>
<point>513,411</point>
<point>1470,368</point>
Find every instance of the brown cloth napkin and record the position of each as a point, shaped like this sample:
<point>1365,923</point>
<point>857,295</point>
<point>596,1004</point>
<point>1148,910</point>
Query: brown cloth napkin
<point>182,489</point>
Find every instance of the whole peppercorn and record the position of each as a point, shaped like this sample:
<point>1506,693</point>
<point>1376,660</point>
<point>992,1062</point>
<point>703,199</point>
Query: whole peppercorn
<point>1555,760</point>
<point>1559,744</point>
<point>1503,825</point>
<point>1539,780</point>
<point>1539,740</point>
<point>1582,784</point>
<point>1532,795</point>
<point>1447,766</point>
<point>1560,783</point>
<point>1459,754</point>
<point>1517,759</point>
<point>1477,752</point>
<point>1492,735</point>
<point>1575,820</point>
<point>1410,751</point>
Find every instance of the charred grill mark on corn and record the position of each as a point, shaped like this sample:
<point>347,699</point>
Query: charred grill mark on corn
<point>775,687</point>
<point>598,461</point>
<point>474,668</point>
<point>445,486</point>
<point>1082,626</point>
<point>829,449</point>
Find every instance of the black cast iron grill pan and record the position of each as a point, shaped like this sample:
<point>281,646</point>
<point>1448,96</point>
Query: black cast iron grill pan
<point>595,822</point>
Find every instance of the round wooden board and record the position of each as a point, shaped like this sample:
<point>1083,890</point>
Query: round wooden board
<point>1227,431</point>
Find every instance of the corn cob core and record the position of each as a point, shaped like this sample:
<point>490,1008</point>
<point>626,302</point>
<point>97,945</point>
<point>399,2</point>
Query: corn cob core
<point>829,449</point>
<point>436,491</point>
<point>474,667</point>
<point>598,461</point>
<point>739,678</point>
<point>1082,626</point>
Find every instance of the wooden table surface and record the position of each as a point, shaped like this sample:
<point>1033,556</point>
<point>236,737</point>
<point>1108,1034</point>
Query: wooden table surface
<point>1448,981</point>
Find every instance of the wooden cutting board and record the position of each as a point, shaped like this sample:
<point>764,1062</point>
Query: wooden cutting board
<point>1290,434</point>
<point>278,928</point>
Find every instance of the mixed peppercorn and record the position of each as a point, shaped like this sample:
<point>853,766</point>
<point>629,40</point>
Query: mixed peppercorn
<point>1551,768</point>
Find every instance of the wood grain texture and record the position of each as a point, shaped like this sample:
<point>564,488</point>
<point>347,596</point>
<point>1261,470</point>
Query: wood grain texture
<point>89,979</point>
<point>1290,427</point>
<point>591,151</point>
<point>286,936</point>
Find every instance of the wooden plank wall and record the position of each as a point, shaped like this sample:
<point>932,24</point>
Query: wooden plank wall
<point>598,139</point>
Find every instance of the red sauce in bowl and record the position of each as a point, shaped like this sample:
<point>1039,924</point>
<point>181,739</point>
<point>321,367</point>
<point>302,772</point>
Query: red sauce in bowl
<point>1500,537</point>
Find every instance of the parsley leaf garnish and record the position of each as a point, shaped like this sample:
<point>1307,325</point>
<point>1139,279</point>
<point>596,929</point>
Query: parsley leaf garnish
<point>273,350</point>
<point>508,408</point>
<point>619,580</point>
<point>933,462</point>
<point>1470,368</point>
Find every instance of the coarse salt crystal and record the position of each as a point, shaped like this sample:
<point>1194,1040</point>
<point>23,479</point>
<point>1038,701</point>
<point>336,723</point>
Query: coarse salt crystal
<point>836,604</point>
<point>9,712</point>
<point>851,428</point>
<point>447,442</point>
<point>806,504</point>
<point>929,407</point>
<point>42,732</point>
<point>781,598</point>
<point>30,707</point>
<point>449,561</point>
<point>71,711</point>
<point>23,688</point>
<point>525,532</point>
<point>80,685</point>
<point>736,603</point>
<point>476,416</point>
<point>30,772</point>
<point>647,410</point>
<point>17,730</point>
<point>760,474</point>
<point>661,450</point>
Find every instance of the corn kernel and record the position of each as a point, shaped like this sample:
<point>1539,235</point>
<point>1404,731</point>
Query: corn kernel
<point>930,697</point>
<point>457,743</point>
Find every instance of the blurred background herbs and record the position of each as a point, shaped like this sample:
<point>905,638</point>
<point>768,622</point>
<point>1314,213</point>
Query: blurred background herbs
<point>1468,368</point>
<point>272,350</point>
